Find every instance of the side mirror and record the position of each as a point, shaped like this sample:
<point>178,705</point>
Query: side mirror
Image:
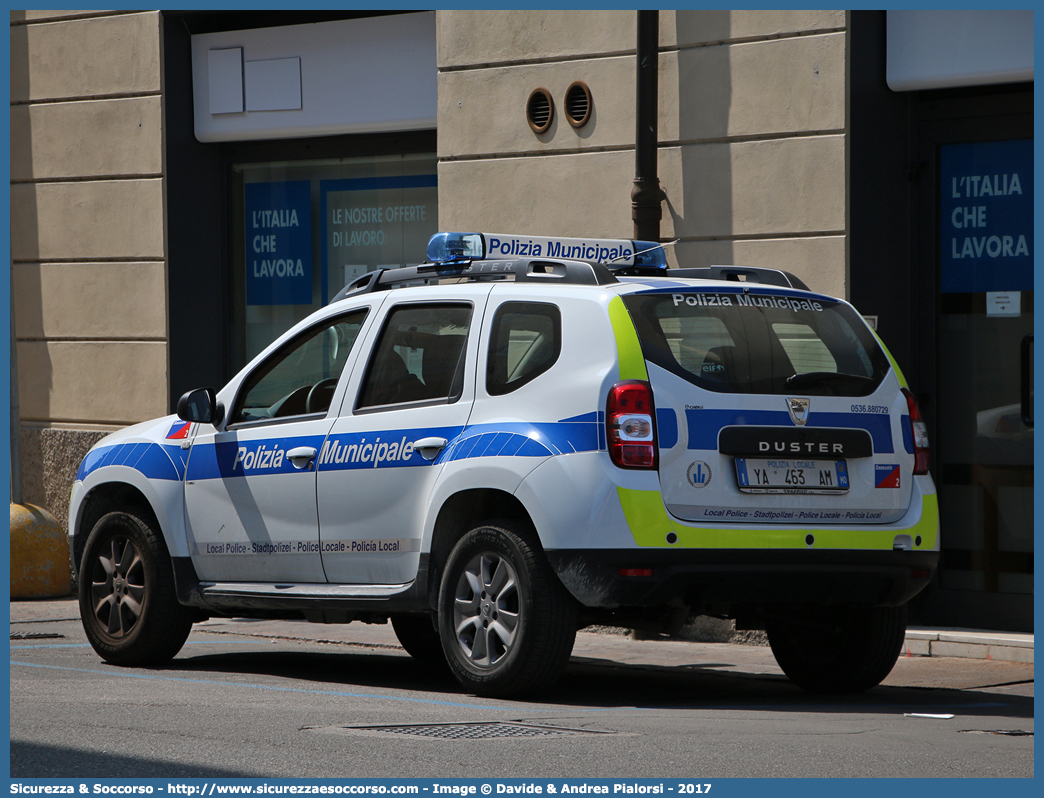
<point>201,406</point>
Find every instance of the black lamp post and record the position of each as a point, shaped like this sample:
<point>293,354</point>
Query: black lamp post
<point>646,194</point>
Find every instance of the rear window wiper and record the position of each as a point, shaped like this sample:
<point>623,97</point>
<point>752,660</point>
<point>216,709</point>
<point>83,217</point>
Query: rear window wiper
<point>810,378</point>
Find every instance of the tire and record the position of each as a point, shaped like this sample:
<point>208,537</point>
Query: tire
<point>128,604</point>
<point>839,651</point>
<point>420,638</point>
<point>507,624</point>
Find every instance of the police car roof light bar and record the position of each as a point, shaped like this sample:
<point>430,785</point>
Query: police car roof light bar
<point>613,253</point>
<point>451,247</point>
<point>575,261</point>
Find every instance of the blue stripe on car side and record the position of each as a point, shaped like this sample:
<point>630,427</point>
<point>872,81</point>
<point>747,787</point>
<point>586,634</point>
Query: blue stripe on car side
<point>704,425</point>
<point>227,458</point>
<point>908,441</point>
<point>667,427</point>
<point>151,459</point>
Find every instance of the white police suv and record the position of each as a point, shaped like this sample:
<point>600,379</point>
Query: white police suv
<point>524,436</point>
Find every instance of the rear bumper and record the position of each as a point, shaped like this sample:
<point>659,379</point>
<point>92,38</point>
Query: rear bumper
<point>732,580</point>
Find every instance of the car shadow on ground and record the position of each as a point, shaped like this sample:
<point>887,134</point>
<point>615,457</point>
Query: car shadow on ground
<point>40,761</point>
<point>602,684</point>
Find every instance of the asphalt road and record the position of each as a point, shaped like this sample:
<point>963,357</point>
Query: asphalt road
<point>267,699</point>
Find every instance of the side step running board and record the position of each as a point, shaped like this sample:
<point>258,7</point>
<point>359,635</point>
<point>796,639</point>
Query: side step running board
<point>228,597</point>
<point>305,592</point>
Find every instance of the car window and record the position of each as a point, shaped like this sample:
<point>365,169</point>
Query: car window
<point>300,377</point>
<point>756,342</point>
<point>691,337</point>
<point>419,356</point>
<point>525,341</point>
<point>806,350</point>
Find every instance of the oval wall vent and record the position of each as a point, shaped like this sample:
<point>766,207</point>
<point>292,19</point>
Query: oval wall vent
<point>578,104</point>
<point>540,110</point>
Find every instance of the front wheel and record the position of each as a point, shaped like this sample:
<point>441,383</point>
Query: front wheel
<point>507,624</point>
<point>128,604</point>
<point>839,650</point>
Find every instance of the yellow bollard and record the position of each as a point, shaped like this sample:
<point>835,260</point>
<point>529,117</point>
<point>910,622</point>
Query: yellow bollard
<point>39,554</point>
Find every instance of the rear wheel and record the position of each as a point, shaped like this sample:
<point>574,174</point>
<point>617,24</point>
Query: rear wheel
<point>839,651</point>
<point>507,624</point>
<point>128,604</point>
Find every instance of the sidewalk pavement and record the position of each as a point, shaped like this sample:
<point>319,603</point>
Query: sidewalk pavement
<point>920,641</point>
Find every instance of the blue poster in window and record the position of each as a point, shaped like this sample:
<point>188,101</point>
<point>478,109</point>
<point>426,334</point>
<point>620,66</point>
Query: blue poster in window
<point>278,243</point>
<point>986,216</point>
<point>374,222</point>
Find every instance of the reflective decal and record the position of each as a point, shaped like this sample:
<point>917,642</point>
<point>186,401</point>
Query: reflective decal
<point>699,474</point>
<point>302,547</point>
<point>704,425</point>
<point>886,475</point>
<point>650,525</point>
<point>151,459</point>
<point>628,348</point>
<point>179,430</point>
<point>231,458</point>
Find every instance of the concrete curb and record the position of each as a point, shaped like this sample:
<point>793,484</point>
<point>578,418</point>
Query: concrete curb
<point>968,643</point>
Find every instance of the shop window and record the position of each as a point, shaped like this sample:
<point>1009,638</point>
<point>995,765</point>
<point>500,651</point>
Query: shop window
<point>303,229</point>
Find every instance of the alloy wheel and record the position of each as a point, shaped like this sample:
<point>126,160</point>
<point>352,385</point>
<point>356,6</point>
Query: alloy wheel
<point>118,587</point>
<point>486,610</point>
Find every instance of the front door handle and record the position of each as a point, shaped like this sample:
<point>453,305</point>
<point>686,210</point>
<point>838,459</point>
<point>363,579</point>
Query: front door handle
<point>301,457</point>
<point>429,448</point>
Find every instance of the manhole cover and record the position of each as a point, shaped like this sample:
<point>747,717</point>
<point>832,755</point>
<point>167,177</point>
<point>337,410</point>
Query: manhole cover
<point>477,731</point>
<point>36,636</point>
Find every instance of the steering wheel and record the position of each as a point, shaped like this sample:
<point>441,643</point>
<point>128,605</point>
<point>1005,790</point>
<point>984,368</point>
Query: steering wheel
<point>320,395</point>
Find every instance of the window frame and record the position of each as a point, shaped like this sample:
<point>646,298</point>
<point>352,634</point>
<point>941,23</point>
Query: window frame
<point>494,332</point>
<point>641,305</point>
<point>456,383</point>
<point>279,355</point>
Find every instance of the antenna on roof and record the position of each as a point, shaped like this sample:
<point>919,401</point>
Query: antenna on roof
<point>643,251</point>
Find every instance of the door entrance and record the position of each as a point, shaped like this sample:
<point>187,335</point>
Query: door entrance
<point>984,410</point>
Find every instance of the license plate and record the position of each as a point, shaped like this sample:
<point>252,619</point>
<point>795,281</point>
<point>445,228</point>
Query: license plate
<point>791,476</point>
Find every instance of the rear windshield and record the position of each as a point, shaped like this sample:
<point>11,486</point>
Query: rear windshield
<point>759,342</point>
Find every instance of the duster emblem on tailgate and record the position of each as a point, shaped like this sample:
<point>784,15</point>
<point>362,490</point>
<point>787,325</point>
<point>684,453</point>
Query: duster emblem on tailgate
<point>798,410</point>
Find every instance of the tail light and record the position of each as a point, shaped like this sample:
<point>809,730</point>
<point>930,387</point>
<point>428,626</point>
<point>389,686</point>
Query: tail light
<point>630,431</point>
<point>922,451</point>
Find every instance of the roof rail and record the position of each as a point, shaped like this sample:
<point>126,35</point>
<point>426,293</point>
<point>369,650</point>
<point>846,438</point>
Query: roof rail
<point>738,274</point>
<point>524,270</point>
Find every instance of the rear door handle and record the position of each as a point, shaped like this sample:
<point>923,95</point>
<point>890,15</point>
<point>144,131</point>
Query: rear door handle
<point>429,448</point>
<point>301,457</point>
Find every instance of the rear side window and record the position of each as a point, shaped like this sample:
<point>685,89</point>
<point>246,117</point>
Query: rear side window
<point>525,341</point>
<point>419,356</point>
<point>747,342</point>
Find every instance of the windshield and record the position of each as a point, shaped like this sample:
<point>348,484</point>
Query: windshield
<point>754,342</point>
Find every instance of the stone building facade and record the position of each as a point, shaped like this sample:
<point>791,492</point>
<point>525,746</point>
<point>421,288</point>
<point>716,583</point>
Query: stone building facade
<point>752,130</point>
<point>87,235</point>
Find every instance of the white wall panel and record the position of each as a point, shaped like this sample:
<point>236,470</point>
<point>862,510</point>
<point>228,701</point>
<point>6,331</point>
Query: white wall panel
<point>947,49</point>
<point>375,74</point>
